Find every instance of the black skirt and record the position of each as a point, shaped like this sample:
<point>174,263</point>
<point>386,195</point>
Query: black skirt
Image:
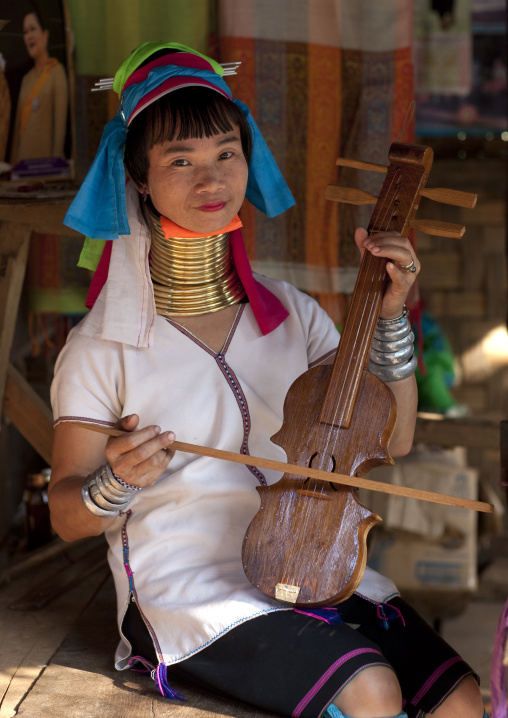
<point>295,664</point>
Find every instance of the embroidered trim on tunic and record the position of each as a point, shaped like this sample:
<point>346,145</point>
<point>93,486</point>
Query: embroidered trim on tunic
<point>233,383</point>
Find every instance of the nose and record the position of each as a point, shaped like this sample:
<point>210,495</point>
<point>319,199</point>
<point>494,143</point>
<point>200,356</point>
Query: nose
<point>209,178</point>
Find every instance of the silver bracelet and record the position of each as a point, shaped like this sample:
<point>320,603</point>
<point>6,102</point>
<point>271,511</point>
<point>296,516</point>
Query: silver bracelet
<point>103,495</point>
<point>105,487</point>
<point>393,373</point>
<point>396,355</point>
<point>395,320</point>
<point>392,333</point>
<point>392,353</point>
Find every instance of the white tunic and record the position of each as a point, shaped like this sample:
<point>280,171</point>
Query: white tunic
<point>178,550</point>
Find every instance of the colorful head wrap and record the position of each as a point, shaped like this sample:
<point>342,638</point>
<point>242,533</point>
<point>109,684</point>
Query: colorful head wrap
<point>99,209</point>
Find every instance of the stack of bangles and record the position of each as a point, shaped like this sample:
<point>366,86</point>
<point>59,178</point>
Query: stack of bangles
<point>392,355</point>
<point>104,494</point>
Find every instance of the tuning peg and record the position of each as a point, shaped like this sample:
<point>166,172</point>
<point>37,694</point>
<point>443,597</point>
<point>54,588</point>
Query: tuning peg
<point>358,165</point>
<point>349,195</point>
<point>450,196</point>
<point>438,194</point>
<point>440,229</point>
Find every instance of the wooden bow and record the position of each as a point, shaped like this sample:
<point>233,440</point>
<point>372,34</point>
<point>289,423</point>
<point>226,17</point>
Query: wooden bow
<point>353,481</point>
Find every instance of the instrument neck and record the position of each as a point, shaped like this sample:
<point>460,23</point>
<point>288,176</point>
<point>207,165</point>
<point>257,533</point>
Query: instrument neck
<point>396,207</point>
<point>356,339</point>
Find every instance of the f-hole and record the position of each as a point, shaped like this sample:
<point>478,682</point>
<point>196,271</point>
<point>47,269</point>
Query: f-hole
<point>327,463</point>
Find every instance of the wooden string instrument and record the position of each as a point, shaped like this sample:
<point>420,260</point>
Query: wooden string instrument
<point>307,543</point>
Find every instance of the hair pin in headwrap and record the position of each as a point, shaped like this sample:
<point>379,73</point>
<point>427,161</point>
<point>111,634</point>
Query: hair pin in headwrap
<point>106,83</point>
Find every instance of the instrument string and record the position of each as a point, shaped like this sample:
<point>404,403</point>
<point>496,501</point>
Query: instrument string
<point>379,223</point>
<point>386,211</point>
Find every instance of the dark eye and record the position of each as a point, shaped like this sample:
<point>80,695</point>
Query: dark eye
<point>180,163</point>
<point>226,155</point>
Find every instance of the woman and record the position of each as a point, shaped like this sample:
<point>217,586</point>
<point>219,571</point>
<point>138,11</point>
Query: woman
<point>41,114</point>
<point>183,336</point>
<point>5,105</point>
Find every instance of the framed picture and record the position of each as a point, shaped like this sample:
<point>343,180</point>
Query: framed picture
<point>460,57</point>
<point>36,90</point>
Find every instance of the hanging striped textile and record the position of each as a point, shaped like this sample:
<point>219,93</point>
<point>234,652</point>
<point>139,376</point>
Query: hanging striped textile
<point>323,78</point>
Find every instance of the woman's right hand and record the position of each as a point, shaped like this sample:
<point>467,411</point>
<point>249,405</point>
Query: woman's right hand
<point>140,457</point>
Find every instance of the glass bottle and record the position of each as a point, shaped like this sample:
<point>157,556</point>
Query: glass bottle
<point>38,529</point>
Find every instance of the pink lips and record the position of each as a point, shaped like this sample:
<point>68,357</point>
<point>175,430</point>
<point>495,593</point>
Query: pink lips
<point>216,207</point>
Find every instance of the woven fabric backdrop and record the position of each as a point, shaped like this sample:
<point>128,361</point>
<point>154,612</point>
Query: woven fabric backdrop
<point>323,78</point>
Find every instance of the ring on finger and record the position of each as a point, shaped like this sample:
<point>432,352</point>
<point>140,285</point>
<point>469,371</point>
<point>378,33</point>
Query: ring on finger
<point>408,267</point>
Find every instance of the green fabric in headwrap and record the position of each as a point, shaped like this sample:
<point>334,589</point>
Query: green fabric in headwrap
<point>144,51</point>
<point>91,253</point>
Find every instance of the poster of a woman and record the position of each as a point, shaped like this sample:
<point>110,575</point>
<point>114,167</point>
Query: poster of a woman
<point>35,53</point>
<point>461,68</point>
<point>5,106</point>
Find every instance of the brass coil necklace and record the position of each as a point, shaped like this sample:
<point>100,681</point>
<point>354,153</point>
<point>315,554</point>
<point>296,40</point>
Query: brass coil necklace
<point>192,275</point>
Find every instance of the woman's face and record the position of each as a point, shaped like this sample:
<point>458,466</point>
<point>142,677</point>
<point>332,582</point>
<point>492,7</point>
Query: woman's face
<point>198,183</point>
<point>36,39</point>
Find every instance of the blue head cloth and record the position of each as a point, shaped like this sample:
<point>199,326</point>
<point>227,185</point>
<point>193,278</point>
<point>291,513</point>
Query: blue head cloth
<point>99,209</point>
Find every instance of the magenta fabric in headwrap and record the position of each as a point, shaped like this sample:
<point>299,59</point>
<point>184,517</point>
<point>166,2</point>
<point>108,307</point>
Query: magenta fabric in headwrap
<point>180,59</point>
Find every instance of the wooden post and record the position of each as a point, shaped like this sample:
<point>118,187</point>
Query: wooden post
<point>14,244</point>
<point>30,415</point>
<point>19,217</point>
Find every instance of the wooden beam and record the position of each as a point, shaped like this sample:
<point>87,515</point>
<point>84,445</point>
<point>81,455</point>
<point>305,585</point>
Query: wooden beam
<point>465,431</point>
<point>40,215</point>
<point>19,217</point>
<point>29,413</point>
<point>14,244</point>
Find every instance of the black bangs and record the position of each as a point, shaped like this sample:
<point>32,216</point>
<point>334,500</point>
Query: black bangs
<point>191,112</point>
<point>196,113</point>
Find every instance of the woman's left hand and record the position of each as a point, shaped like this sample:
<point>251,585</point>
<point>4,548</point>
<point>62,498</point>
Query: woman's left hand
<point>403,267</point>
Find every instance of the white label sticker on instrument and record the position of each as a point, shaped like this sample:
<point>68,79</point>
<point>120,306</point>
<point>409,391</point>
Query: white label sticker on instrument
<point>287,593</point>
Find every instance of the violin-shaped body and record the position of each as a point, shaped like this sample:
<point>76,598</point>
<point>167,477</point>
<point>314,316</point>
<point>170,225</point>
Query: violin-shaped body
<point>307,544</point>
<point>301,516</point>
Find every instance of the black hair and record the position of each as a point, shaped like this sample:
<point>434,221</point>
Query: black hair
<point>190,112</point>
<point>34,11</point>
